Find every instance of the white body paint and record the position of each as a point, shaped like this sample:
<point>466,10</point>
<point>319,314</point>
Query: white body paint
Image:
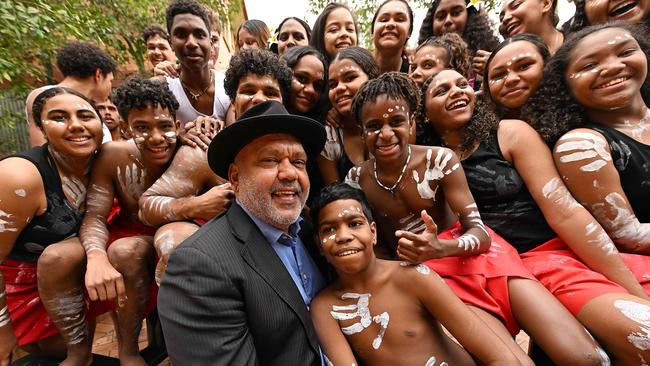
<point>437,172</point>
<point>421,268</point>
<point>640,314</point>
<point>132,180</point>
<point>4,316</point>
<point>625,224</point>
<point>74,189</point>
<point>468,242</point>
<point>6,225</point>
<point>352,179</point>
<point>68,310</point>
<point>602,240</point>
<point>360,310</point>
<point>20,193</point>
<point>555,191</point>
<point>590,148</point>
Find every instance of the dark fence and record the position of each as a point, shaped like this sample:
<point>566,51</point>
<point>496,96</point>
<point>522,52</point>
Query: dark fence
<point>13,127</point>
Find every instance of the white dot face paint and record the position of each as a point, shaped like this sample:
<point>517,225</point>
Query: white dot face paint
<point>360,310</point>
<point>640,314</point>
<point>435,173</point>
<point>20,192</point>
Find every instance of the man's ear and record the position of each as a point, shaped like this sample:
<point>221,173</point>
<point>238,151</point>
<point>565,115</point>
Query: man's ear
<point>98,76</point>
<point>233,177</point>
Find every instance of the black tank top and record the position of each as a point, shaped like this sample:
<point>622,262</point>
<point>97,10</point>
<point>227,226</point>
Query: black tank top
<point>60,221</point>
<point>632,160</point>
<point>503,198</point>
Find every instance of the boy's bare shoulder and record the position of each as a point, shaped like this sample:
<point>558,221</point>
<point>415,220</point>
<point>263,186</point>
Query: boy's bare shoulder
<point>325,297</point>
<point>421,150</point>
<point>117,152</point>
<point>409,274</point>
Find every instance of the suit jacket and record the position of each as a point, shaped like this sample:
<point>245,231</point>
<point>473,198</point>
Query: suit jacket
<point>227,299</point>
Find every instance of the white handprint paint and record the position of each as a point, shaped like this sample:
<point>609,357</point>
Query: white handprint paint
<point>360,310</point>
<point>437,172</point>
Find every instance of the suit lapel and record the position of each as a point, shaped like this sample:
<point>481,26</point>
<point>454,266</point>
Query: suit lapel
<point>259,255</point>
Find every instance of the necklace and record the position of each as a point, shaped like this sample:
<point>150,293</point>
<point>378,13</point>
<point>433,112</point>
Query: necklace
<point>193,93</point>
<point>399,179</point>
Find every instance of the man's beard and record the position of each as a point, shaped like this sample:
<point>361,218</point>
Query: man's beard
<point>261,205</point>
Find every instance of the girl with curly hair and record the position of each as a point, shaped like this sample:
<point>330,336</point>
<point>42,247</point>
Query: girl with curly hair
<point>513,73</point>
<point>520,195</point>
<point>590,12</point>
<point>391,28</point>
<point>446,16</point>
<point>334,29</point>
<point>448,51</point>
<point>537,17</point>
<point>601,134</point>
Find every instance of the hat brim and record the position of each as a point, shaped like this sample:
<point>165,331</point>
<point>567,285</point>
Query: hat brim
<point>225,146</point>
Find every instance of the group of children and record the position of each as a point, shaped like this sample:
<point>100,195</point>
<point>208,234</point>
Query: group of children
<point>488,187</point>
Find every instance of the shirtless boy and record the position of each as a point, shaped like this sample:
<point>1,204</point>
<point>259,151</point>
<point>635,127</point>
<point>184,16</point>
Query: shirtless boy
<point>387,312</point>
<point>190,192</point>
<point>420,197</point>
<point>119,248</point>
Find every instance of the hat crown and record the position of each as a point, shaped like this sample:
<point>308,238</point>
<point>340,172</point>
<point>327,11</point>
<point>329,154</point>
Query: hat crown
<point>269,107</point>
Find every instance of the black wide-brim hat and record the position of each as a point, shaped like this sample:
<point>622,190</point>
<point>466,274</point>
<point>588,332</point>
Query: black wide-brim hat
<point>263,119</point>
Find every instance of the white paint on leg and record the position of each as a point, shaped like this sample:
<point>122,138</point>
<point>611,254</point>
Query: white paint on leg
<point>640,314</point>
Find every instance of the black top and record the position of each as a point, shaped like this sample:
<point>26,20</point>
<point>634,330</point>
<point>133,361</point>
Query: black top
<point>503,198</point>
<point>59,222</point>
<point>632,160</point>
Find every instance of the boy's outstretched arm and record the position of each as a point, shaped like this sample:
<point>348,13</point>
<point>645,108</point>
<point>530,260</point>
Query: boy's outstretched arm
<point>441,302</point>
<point>420,247</point>
<point>334,344</point>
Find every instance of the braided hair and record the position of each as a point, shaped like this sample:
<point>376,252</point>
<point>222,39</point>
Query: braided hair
<point>394,85</point>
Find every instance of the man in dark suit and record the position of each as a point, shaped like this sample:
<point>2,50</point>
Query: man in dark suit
<point>237,292</point>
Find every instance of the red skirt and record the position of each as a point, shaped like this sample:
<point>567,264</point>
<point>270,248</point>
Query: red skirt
<point>28,316</point>
<point>482,280</point>
<point>570,280</point>
<point>120,227</point>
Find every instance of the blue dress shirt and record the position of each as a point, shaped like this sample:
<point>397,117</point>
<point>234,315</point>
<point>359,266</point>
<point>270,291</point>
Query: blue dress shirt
<point>294,256</point>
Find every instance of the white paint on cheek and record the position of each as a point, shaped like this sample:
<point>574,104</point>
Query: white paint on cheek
<point>640,314</point>
<point>20,192</point>
<point>360,310</point>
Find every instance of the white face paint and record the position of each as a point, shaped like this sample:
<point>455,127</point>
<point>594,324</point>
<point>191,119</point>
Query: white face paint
<point>437,172</point>
<point>352,179</point>
<point>602,240</point>
<point>5,223</point>
<point>555,191</point>
<point>170,136</point>
<point>360,310</point>
<point>640,314</point>
<point>591,150</point>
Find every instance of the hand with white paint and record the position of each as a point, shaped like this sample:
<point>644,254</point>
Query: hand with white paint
<point>200,132</point>
<point>418,248</point>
